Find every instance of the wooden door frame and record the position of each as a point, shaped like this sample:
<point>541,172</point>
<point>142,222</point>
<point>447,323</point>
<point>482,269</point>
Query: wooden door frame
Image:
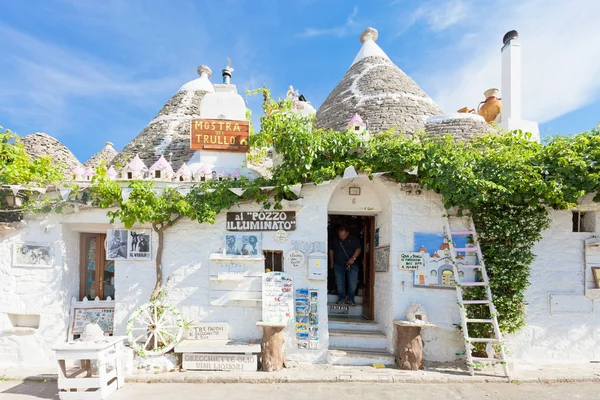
<point>368,310</point>
<point>99,263</point>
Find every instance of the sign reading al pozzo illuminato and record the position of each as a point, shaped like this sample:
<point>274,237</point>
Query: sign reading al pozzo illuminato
<point>256,221</point>
<point>277,298</point>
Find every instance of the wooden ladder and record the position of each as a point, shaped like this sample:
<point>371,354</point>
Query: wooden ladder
<point>460,286</point>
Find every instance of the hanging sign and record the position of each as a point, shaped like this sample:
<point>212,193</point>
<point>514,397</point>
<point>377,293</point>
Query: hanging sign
<point>411,261</point>
<point>277,298</point>
<point>219,134</point>
<point>253,221</point>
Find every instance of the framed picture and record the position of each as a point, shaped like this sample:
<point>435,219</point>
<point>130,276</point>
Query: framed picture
<point>129,244</point>
<point>116,244</point>
<point>382,258</point>
<point>139,246</point>
<point>247,244</point>
<point>39,255</point>
<point>596,275</point>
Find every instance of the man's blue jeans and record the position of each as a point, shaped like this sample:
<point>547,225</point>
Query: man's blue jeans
<point>340,281</point>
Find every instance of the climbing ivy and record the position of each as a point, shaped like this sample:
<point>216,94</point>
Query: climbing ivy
<point>504,180</point>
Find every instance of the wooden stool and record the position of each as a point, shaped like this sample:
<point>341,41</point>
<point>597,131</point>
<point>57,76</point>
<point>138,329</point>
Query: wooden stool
<point>272,355</point>
<point>409,345</point>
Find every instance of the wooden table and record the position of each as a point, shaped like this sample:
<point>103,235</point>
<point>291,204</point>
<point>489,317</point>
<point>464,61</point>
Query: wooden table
<point>272,355</point>
<point>409,345</point>
<point>106,355</point>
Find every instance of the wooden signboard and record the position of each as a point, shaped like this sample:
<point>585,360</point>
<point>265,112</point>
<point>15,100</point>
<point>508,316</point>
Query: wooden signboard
<point>219,362</point>
<point>277,298</point>
<point>253,221</point>
<point>220,135</point>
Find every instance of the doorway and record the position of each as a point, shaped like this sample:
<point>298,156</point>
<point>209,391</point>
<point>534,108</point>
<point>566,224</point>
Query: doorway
<point>96,273</point>
<point>363,228</point>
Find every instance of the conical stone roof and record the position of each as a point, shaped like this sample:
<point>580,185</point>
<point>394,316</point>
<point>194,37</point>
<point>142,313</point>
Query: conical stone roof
<point>107,154</point>
<point>41,144</point>
<point>169,131</point>
<point>380,92</point>
<point>460,125</point>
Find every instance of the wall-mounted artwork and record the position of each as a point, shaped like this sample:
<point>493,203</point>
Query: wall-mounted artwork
<point>247,244</point>
<point>382,259</point>
<point>436,269</point>
<point>39,255</point>
<point>132,244</point>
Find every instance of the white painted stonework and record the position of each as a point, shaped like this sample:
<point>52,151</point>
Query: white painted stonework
<point>569,333</point>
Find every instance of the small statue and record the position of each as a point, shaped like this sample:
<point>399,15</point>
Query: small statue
<point>292,94</point>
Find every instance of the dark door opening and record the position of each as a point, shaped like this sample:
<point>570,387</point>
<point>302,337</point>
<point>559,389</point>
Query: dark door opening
<point>363,228</point>
<point>96,273</point>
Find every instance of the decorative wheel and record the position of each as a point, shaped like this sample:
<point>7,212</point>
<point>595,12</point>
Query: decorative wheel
<point>154,328</point>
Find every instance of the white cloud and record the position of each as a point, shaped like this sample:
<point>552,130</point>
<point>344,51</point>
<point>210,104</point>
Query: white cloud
<point>561,56</point>
<point>350,27</point>
<point>441,16</point>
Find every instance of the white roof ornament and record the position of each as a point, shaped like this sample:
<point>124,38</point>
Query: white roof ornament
<point>200,84</point>
<point>136,165</point>
<point>369,47</point>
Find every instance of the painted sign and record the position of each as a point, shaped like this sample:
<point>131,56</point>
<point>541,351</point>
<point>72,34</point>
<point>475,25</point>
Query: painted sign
<point>277,298</point>
<point>295,259</point>
<point>280,236</point>
<point>208,331</point>
<point>219,134</point>
<point>220,362</point>
<point>317,266</point>
<point>411,261</point>
<point>252,221</point>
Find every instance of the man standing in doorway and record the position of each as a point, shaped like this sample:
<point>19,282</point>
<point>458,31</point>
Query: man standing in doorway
<point>343,253</point>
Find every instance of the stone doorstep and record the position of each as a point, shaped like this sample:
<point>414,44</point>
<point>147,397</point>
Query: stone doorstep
<point>357,333</point>
<point>217,346</point>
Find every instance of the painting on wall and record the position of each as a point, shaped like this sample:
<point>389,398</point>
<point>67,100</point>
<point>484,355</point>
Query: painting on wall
<point>247,244</point>
<point>139,245</point>
<point>436,268</point>
<point>37,255</point>
<point>116,244</point>
<point>382,258</point>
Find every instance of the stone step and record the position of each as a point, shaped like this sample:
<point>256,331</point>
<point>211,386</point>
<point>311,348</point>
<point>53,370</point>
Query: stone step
<point>355,322</point>
<point>332,298</point>
<point>361,339</point>
<point>344,309</point>
<point>355,356</point>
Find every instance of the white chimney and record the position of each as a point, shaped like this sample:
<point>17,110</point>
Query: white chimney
<point>511,79</point>
<point>512,116</point>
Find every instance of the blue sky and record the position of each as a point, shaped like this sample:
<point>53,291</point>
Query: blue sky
<point>88,71</point>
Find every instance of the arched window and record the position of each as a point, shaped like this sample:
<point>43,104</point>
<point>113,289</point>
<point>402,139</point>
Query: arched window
<point>447,277</point>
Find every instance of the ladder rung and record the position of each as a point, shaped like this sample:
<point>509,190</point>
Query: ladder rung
<point>470,266</point>
<point>483,340</point>
<point>483,321</point>
<point>465,249</point>
<point>497,360</point>
<point>477,302</point>
<point>462,233</point>
<point>472,283</point>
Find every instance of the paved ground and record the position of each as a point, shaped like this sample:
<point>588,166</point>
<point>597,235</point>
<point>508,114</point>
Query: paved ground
<point>12,390</point>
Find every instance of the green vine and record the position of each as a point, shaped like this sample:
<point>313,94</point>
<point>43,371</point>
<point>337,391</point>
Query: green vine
<point>504,180</point>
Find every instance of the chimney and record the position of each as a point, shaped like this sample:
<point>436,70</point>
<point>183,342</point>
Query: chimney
<point>227,72</point>
<point>511,80</point>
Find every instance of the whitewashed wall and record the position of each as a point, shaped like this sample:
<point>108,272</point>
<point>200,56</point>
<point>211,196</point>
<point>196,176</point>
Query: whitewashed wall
<point>568,330</point>
<point>37,291</point>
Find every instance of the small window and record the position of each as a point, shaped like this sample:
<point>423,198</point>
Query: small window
<point>356,128</point>
<point>181,178</point>
<point>273,260</point>
<point>130,175</point>
<point>584,221</point>
<point>157,174</point>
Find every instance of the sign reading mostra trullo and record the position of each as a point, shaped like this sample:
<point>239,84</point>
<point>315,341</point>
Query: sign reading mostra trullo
<point>219,134</point>
<point>250,221</point>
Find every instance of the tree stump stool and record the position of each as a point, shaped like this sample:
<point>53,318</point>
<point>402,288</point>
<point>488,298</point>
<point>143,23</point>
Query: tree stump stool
<point>272,356</point>
<point>409,345</point>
